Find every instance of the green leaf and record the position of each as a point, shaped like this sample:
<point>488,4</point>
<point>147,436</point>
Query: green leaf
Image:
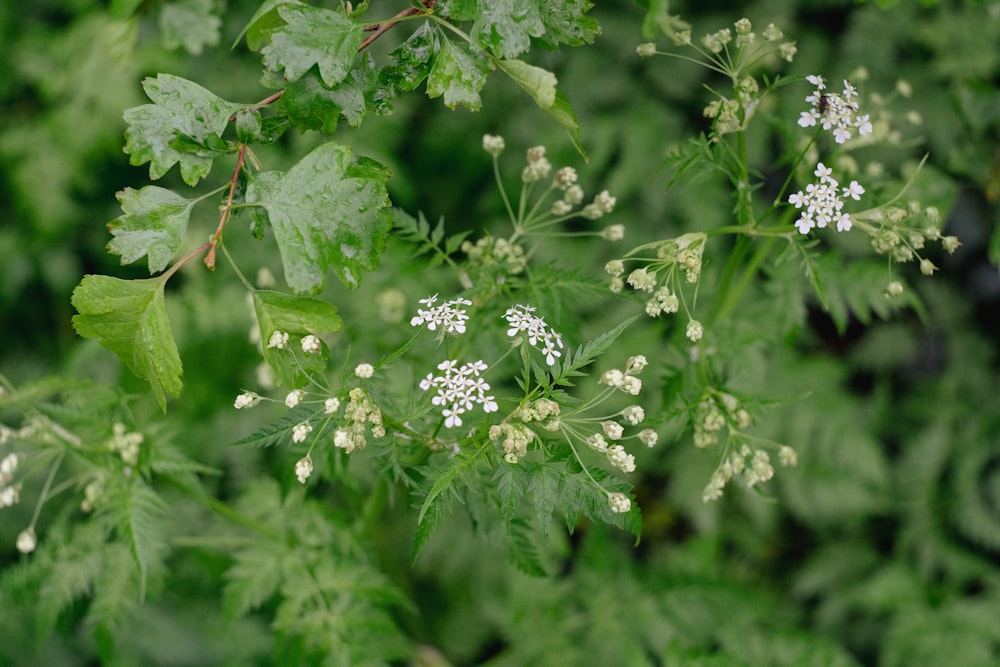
<point>296,316</point>
<point>566,23</point>
<point>153,224</point>
<point>459,74</point>
<point>583,355</point>
<point>563,114</point>
<point>252,580</point>
<point>258,28</point>
<point>411,64</point>
<point>129,317</point>
<point>326,213</point>
<point>538,82</point>
<point>313,36</point>
<point>544,487</point>
<point>506,26</point>
<point>180,108</point>
<point>191,24</point>
<point>141,513</point>
<point>310,104</point>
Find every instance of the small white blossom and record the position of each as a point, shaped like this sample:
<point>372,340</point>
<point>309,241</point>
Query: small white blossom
<point>822,204</point>
<point>7,467</point>
<point>631,385</point>
<point>331,405</point>
<point>635,364</point>
<point>620,503</point>
<point>613,233</point>
<point>493,144</point>
<point>835,113</point>
<point>634,414</point>
<point>615,267</point>
<point>278,340</point>
<point>613,430</point>
<point>520,320</point>
<point>301,431</point>
<point>303,469</point>
<point>364,371</point>
<point>458,389</point>
<point>694,331</point>
<point>247,399</point>
<point>787,456</point>
<point>648,437</point>
<point>613,378</point>
<point>311,345</point>
<point>646,50</point>
<point>449,315</point>
<point>10,495</point>
<point>27,541</point>
<point>294,397</point>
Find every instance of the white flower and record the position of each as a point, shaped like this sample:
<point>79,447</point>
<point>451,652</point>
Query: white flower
<point>694,330</point>
<point>634,414</point>
<point>278,340</point>
<point>823,205</point>
<point>646,50</point>
<point>10,495</point>
<point>787,456</point>
<point>615,267</point>
<point>27,541</point>
<point>459,389</point>
<point>364,371</point>
<point>635,364</point>
<point>7,467</point>
<point>294,397</point>
<point>613,430</point>
<point>613,233</point>
<point>520,320</point>
<point>613,378</point>
<point>565,177</point>
<point>620,503</point>
<point>303,469</point>
<point>331,405</point>
<point>247,399</point>
<point>311,345</point>
<point>301,431</point>
<point>493,144</point>
<point>449,316</point>
<point>631,385</point>
<point>648,437</point>
<point>621,459</point>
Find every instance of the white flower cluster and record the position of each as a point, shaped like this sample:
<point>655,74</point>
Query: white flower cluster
<point>753,465</point>
<point>449,315</point>
<point>538,168</point>
<point>246,400</point>
<point>458,389</point>
<point>626,380</point>
<point>493,144</point>
<point>620,503</point>
<point>304,468</point>
<point>516,438</point>
<point>490,251</point>
<point>520,319</point>
<point>836,113</point>
<point>616,454</point>
<point>823,204</point>
<point>10,494</point>
<point>360,413</point>
<point>125,444</point>
<point>603,203</point>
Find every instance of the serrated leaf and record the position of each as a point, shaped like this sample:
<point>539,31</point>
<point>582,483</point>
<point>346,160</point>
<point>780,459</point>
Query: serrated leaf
<point>538,82</point>
<point>566,22</point>
<point>573,360</point>
<point>313,36</point>
<point>191,24</point>
<point>180,108</point>
<point>252,580</point>
<point>506,27</point>
<point>510,481</point>
<point>459,74</point>
<point>141,515</point>
<point>129,317</point>
<point>544,487</point>
<point>411,64</point>
<point>296,316</point>
<point>153,224</point>
<point>312,105</point>
<point>327,212</point>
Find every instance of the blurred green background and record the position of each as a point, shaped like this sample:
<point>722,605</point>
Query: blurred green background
<point>881,548</point>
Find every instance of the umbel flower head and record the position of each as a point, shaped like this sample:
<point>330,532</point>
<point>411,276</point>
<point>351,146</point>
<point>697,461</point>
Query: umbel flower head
<point>822,203</point>
<point>835,113</point>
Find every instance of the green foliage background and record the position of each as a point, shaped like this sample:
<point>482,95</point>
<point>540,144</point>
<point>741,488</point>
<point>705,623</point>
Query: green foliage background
<point>880,548</point>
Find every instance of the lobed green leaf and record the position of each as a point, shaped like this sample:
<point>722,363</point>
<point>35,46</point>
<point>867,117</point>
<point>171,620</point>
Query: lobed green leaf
<point>181,109</point>
<point>313,36</point>
<point>129,317</point>
<point>327,212</point>
<point>153,224</point>
<point>458,73</point>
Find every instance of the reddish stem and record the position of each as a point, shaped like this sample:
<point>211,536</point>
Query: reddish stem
<point>213,241</point>
<point>377,30</point>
